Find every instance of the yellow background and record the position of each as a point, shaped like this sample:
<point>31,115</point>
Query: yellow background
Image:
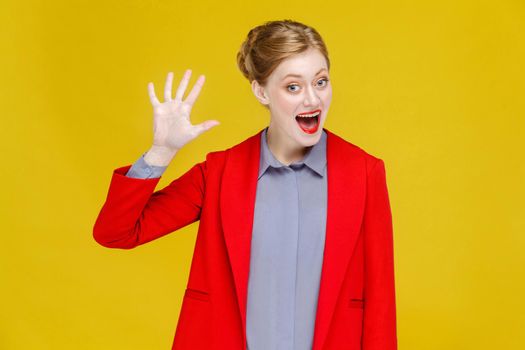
<point>434,88</point>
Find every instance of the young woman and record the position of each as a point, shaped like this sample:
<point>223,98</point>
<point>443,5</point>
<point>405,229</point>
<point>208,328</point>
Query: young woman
<point>295,245</point>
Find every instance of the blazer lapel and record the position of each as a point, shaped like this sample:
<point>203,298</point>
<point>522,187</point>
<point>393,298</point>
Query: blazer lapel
<point>237,204</point>
<point>346,194</point>
<point>346,198</point>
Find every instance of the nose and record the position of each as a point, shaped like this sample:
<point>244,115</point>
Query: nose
<point>311,98</point>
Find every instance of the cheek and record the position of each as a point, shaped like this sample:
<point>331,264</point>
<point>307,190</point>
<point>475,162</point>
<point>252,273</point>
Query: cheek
<point>286,103</point>
<point>327,96</point>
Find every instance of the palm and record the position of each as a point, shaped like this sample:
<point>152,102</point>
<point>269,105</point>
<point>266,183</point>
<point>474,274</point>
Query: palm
<point>172,127</point>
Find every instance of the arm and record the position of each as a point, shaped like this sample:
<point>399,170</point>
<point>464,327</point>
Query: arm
<point>142,170</point>
<point>133,215</point>
<point>379,324</point>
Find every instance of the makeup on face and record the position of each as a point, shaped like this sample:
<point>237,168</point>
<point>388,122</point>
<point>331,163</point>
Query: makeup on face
<point>309,121</point>
<point>298,94</point>
<point>311,94</point>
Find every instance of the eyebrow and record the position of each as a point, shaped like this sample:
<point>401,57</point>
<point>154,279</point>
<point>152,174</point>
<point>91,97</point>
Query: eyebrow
<point>299,76</point>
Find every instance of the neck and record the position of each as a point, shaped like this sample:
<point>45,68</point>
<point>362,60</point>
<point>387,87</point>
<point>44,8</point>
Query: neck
<point>283,148</point>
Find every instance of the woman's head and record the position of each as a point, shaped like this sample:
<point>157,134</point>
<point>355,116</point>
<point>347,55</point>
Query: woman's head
<point>288,67</point>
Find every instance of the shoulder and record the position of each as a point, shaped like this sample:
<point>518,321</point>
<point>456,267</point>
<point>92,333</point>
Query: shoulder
<point>345,151</point>
<point>352,152</point>
<point>244,148</point>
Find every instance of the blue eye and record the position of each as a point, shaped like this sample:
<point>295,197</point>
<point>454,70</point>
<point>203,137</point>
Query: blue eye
<point>320,83</point>
<point>291,86</point>
<point>325,80</point>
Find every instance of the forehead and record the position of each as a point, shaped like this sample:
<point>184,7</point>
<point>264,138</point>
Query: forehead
<point>305,64</point>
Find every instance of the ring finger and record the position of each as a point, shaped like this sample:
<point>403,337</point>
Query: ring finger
<point>167,87</point>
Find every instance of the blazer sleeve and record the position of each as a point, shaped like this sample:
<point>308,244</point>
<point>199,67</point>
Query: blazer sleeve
<point>379,319</point>
<point>133,214</point>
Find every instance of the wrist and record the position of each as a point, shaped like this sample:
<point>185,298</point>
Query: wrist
<point>159,155</point>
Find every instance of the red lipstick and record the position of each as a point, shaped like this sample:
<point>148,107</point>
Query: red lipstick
<point>309,125</point>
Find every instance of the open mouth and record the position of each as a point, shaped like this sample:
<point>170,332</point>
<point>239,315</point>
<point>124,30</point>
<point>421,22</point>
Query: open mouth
<point>309,122</point>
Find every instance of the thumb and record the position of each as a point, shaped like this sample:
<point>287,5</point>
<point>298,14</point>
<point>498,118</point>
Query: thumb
<point>207,125</point>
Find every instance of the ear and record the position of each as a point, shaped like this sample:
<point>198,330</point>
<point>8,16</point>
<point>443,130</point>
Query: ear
<point>260,94</point>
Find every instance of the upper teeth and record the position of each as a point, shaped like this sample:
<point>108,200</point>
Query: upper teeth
<point>309,115</point>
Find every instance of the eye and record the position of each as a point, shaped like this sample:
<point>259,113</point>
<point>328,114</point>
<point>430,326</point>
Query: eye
<point>289,87</point>
<point>323,81</point>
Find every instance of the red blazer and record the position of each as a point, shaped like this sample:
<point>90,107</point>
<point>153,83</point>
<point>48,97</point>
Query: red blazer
<point>356,307</point>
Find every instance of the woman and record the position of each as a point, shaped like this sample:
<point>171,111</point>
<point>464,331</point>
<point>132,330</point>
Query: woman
<point>295,246</point>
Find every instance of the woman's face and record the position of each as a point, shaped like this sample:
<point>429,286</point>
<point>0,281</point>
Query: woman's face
<point>299,85</point>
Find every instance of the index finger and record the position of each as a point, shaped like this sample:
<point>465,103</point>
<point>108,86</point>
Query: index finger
<point>192,96</point>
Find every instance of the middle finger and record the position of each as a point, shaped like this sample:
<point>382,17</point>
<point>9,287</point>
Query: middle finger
<point>183,85</point>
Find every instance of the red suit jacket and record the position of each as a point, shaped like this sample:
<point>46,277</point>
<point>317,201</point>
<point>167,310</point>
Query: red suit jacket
<point>356,306</point>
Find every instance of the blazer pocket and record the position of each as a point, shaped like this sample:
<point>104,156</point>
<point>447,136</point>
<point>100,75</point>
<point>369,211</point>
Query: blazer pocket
<point>358,303</point>
<point>197,294</point>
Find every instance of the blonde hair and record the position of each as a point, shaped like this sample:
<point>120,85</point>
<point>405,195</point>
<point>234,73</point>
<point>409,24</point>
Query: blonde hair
<point>267,45</point>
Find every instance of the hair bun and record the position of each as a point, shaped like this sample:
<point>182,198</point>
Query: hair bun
<point>267,45</point>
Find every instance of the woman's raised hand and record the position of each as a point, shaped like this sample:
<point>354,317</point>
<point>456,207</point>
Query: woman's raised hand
<point>172,128</point>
